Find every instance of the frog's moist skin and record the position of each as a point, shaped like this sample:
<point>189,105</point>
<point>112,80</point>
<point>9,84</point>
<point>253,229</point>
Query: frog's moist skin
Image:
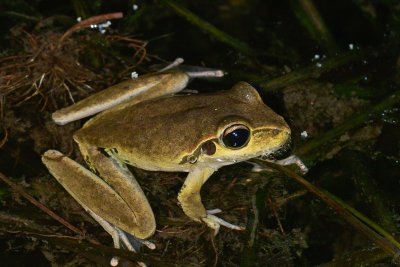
<point>141,124</point>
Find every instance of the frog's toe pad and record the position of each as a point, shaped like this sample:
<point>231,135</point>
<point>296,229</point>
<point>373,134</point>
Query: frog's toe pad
<point>114,261</point>
<point>215,222</point>
<point>293,159</point>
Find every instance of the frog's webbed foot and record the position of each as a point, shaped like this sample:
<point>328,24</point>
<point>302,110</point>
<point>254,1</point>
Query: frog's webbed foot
<point>215,222</point>
<point>293,159</point>
<point>120,238</point>
<point>129,242</point>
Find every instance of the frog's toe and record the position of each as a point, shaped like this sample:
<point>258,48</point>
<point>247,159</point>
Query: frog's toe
<point>293,159</point>
<point>215,222</point>
<point>114,261</point>
<point>130,242</point>
<point>214,211</point>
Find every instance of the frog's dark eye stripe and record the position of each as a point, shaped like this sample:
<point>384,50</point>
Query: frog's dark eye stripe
<point>236,136</point>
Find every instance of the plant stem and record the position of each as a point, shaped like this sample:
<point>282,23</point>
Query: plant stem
<point>359,221</point>
<point>211,29</point>
<point>311,151</point>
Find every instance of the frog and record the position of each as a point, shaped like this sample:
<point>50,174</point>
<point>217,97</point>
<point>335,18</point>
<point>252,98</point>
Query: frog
<point>146,123</point>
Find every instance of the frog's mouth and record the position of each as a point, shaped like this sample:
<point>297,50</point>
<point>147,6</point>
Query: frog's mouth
<point>279,152</point>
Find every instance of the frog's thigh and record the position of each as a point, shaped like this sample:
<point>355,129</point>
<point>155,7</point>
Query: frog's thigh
<point>127,209</point>
<point>189,196</point>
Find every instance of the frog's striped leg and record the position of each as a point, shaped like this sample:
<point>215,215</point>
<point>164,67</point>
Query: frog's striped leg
<point>190,200</point>
<point>114,210</point>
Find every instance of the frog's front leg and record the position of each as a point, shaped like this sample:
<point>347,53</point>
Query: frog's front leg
<point>190,200</point>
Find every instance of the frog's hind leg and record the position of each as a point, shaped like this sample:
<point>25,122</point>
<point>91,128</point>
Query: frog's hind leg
<point>131,91</point>
<point>115,209</point>
<point>115,173</point>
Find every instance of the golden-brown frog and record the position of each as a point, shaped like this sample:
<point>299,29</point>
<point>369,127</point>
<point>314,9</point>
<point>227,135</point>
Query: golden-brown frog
<point>141,123</point>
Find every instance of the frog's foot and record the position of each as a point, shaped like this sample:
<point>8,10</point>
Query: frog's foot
<point>203,73</point>
<point>256,167</point>
<point>174,64</point>
<point>121,238</point>
<point>215,222</point>
<point>293,159</point>
<point>132,244</point>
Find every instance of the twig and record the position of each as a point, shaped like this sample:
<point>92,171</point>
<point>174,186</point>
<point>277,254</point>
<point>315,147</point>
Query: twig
<point>21,15</point>
<point>89,250</point>
<point>5,138</point>
<point>215,251</point>
<point>87,22</point>
<point>42,207</point>
<point>283,200</point>
<point>278,221</point>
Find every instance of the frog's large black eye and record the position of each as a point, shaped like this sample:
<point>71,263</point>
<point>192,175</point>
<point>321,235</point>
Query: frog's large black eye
<point>236,136</point>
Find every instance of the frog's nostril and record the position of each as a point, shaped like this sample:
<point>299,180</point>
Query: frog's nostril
<point>275,132</point>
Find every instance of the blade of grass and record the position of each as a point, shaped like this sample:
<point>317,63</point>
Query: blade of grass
<point>355,218</point>
<point>308,15</point>
<point>314,149</point>
<point>211,29</point>
<point>316,70</point>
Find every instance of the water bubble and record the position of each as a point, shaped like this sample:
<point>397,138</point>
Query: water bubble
<point>316,57</point>
<point>390,116</point>
<point>134,75</point>
<point>102,26</point>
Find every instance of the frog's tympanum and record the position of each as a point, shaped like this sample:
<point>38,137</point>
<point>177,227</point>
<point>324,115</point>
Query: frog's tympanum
<point>141,123</point>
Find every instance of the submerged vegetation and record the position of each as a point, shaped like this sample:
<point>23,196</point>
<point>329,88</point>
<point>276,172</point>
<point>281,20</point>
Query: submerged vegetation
<point>331,69</point>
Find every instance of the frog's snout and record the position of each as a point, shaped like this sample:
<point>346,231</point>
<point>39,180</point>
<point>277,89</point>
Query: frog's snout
<point>284,149</point>
<point>280,152</point>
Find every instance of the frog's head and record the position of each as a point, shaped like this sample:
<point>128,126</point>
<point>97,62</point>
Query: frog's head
<point>246,129</point>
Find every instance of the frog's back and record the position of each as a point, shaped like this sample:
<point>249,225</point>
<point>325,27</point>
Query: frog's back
<point>158,134</point>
